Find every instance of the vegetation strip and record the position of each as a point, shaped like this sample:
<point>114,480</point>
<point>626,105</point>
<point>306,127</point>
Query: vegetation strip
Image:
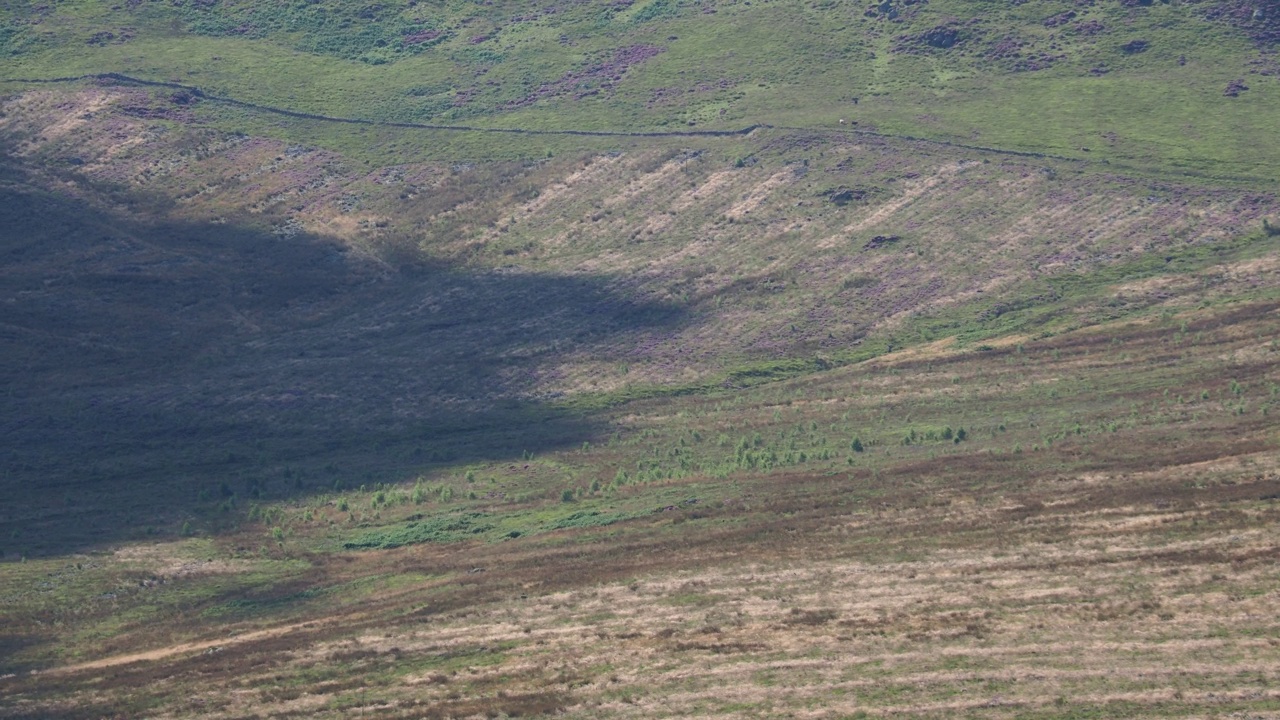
<point>197,92</point>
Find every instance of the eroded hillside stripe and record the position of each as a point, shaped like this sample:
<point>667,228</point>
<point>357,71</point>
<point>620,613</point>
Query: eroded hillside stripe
<point>931,141</point>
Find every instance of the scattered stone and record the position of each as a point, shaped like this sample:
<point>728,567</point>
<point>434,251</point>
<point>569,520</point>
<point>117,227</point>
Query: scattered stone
<point>288,229</point>
<point>1133,47</point>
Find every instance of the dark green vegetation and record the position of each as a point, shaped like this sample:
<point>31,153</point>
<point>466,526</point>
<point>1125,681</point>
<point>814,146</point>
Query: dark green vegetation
<point>965,405</point>
<point>1153,83</point>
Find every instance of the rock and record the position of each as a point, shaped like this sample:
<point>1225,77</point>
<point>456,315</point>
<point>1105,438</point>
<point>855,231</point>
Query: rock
<point>881,241</point>
<point>1133,47</point>
<point>1234,88</point>
<point>942,37</point>
<point>843,195</point>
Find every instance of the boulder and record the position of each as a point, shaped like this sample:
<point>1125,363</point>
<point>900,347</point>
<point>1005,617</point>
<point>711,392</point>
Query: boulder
<point>941,37</point>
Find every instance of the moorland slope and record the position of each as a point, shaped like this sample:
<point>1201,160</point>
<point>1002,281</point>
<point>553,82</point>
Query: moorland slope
<point>948,386</point>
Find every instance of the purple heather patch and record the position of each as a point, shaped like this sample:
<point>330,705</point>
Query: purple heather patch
<point>606,73</point>
<point>420,37</point>
<point>675,95</point>
<point>1088,28</point>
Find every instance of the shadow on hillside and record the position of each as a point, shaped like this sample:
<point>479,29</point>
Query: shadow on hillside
<point>148,370</point>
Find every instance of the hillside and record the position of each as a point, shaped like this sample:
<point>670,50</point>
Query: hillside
<point>1159,84</point>
<point>639,359</point>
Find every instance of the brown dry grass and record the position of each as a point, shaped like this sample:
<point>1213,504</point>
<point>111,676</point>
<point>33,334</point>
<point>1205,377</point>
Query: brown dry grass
<point>1084,578</point>
<point>790,276</point>
<point>1103,544</point>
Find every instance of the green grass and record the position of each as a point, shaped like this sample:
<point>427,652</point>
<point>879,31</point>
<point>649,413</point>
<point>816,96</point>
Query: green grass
<point>449,528</point>
<point>389,456</point>
<point>767,63</point>
<point>442,525</point>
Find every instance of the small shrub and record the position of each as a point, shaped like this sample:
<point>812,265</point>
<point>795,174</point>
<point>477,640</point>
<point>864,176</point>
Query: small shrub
<point>450,528</point>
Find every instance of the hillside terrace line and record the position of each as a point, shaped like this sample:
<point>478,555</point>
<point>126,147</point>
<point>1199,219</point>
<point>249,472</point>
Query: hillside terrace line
<point>198,93</point>
<point>195,91</point>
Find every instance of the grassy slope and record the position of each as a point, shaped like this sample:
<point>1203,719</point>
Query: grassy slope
<point>1051,563</point>
<point>1118,411</point>
<point>776,63</point>
<point>609,513</point>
